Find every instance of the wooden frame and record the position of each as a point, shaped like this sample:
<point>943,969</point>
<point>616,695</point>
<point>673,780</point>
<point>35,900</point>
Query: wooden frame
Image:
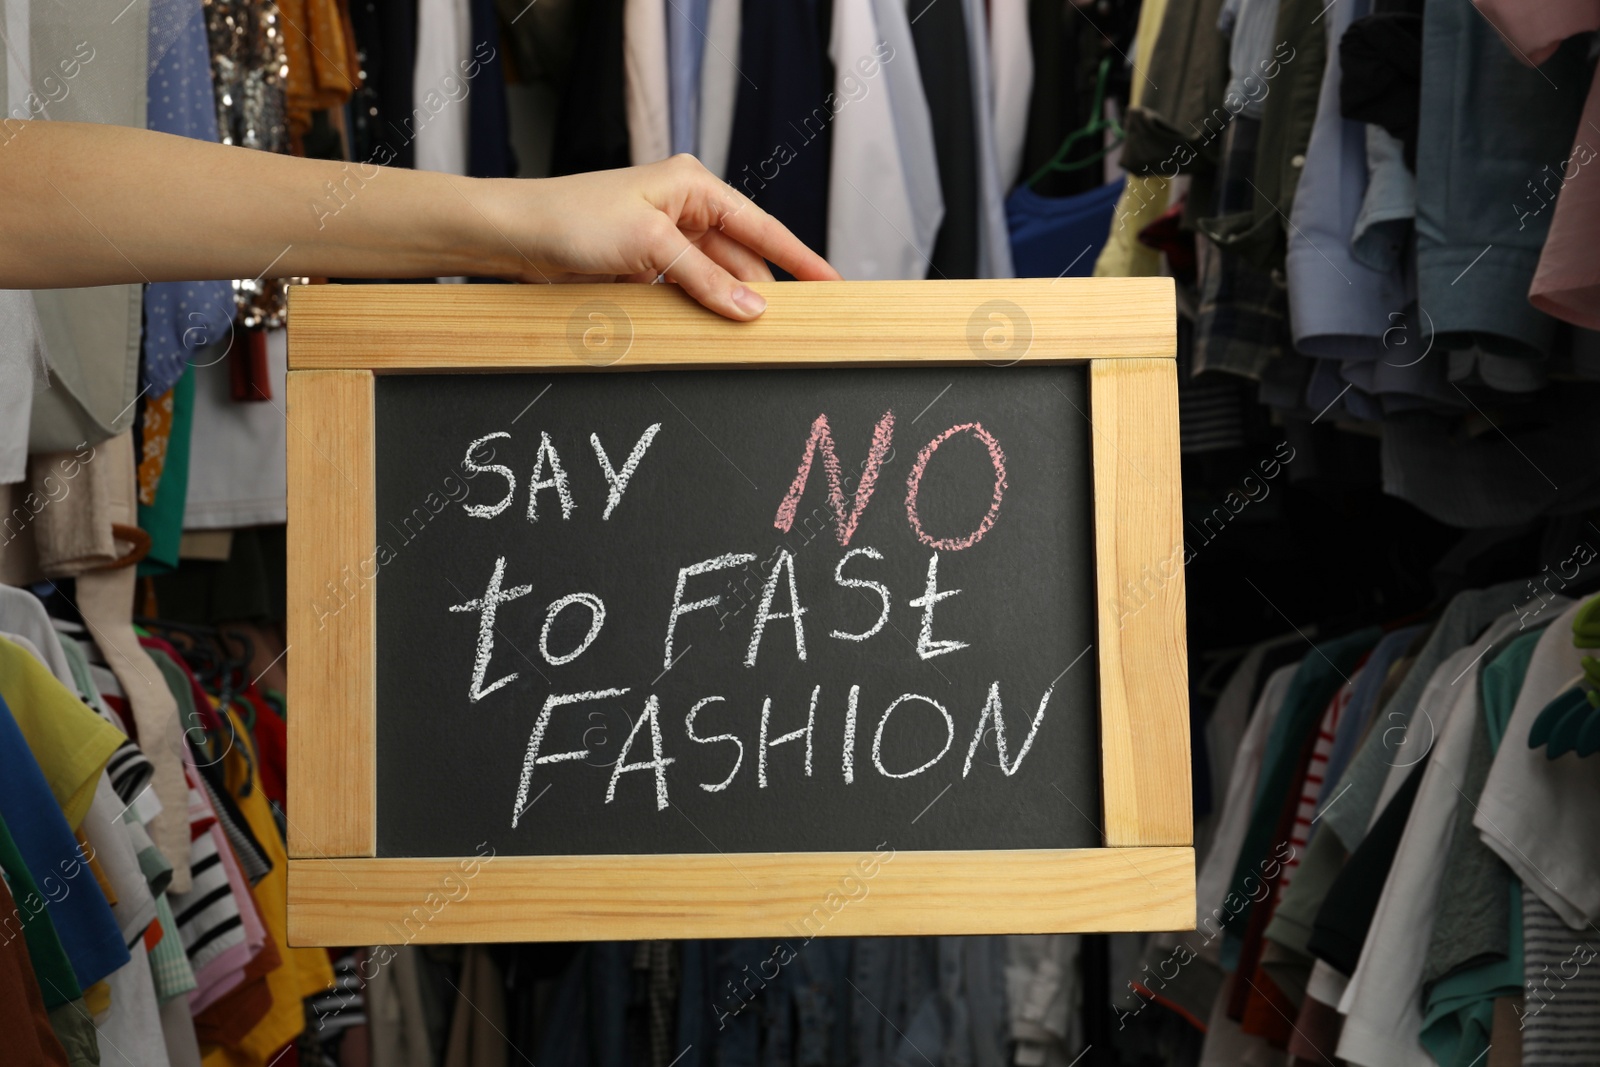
<point>1125,329</point>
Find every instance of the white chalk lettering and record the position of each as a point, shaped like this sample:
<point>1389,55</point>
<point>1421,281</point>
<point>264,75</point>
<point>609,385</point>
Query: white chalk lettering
<point>556,481</point>
<point>489,511</point>
<point>679,608</point>
<point>927,647</point>
<point>850,734</point>
<point>805,731</point>
<point>862,583</point>
<point>488,605</point>
<point>991,709</point>
<point>597,619</point>
<point>532,759</point>
<point>764,611</point>
<point>738,761</point>
<point>619,482</point>
<point>877,738</point>
<point>657,762</point>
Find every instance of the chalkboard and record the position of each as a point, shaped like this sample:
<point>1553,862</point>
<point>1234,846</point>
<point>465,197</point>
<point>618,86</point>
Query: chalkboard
<point>672,517</point>
<point>547,547</point>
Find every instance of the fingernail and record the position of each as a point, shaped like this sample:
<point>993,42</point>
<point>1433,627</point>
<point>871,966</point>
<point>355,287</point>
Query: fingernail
<point>748,300</point>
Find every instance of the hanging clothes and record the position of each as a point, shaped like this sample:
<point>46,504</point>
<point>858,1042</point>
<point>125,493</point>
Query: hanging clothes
<point>686,41</point>
<point>1528,118</point>
<point>994,243</point>
<point>89,336</point>
<point>441,92</point>
<point>181,317</point>
<point>27,1023</point>
<point>780,149</point>
<point>1340,307</point>
<point>323,69</point>
<point>592,120</point>
<point>883,184</point>
<point>1383,1002</point>
<point>1537,814</point>
<point>1144,199</point>
<point>719,84</point>
<point>944,60</point>
<point>647,86</point>
<point>1059,237</point>
<point>1011,60</point>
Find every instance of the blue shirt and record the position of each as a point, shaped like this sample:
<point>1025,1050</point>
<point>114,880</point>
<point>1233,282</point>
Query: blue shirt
<point>77,907</point>
<point>181,317</point>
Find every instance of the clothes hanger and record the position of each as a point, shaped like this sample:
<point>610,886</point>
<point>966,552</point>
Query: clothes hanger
<point>1568,700</point>
<point>1588,742</point>
<point>1097,125</point>
<point>1586,625</point>
<point>1564,734</point>
<point>1571,722</point>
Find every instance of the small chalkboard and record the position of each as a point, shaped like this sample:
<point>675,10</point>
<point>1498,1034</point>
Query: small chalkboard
<point>872,626</point>
<point>581,653</point>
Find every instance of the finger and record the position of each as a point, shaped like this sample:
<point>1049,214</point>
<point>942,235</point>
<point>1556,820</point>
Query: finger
<point>706,280</point>
<point>736,216</point>
<point>735,257</point>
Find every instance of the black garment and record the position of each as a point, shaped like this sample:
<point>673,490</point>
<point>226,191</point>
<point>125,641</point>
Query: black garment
<point>592,121</point>
<point>248,587</point>
<point>1346,914</point>
<point>940,36</point>
<point>1068,41</point>
<point>1381,77</point>
<point>1177,129</point>
<point>488,121</point>
<point>782,137</point>
<point>386,39</point>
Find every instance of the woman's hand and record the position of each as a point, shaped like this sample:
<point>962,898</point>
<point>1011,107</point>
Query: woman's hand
<point>97,205</point>
<point>672,220</point>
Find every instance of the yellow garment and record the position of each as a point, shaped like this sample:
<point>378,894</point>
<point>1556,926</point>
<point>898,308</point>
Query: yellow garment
<point>97,999</point>
<point>1143,199</point>
<point>71,742</point>
<point>303,971</point>
<point>320,53</point>
<point>158,417</point>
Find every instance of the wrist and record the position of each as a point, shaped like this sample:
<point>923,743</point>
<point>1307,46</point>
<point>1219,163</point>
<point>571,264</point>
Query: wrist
<point>505,223</point>
<point>461,227</point>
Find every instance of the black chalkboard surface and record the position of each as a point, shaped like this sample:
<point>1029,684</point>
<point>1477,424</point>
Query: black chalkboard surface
<point>664,508</point>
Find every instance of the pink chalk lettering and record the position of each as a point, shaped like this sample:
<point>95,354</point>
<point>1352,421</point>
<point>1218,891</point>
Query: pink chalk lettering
<point>822,437</point>
<point>914,484</point>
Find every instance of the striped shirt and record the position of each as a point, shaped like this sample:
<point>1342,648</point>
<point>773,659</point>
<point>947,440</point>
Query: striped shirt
<point>1311,786</point>
<point>1561,988</point>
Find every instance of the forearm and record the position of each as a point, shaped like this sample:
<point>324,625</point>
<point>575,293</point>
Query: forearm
<point>96,205</point>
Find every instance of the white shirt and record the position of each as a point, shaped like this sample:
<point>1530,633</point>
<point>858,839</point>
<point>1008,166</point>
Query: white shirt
<point>1382,1003</point>
<point>994,236</point>
<point>238,456</point>
<point>644,77</point>
<point>719,84</point>
<point>1011,56</point>
<point>884,202</point>
<point>441,92</point>
<point>1542,816</point>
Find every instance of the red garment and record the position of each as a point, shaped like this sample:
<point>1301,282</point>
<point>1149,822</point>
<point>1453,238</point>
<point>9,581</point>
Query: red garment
<point>23,1019</point>
<point>1254,1000</point>
<point>272,745</point>
<point>237,1011</point>
<point>1316,1029</point>
<point>202,701</point>
<point>1269,1013</point>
